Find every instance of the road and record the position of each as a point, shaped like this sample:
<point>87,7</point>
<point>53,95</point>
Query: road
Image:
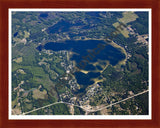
<point>118,101</point>
<point>87,110</point>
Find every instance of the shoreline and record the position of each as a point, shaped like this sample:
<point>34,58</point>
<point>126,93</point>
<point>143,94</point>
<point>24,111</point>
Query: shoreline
<point>122,62</point>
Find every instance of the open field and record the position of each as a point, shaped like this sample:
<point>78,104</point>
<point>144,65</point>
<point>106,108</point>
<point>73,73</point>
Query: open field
<point>128,17</point>
<point>18,60</point>
<point>124,32</point>
<point>37,94</point>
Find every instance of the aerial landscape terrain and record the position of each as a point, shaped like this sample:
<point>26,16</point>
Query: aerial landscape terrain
<point>80,63</point>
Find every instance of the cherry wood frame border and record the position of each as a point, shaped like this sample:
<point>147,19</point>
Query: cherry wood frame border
<point>6,4</point>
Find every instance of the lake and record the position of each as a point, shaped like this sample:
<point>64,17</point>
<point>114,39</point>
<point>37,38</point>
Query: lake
<point>80,49</point>
<point>62,26</point>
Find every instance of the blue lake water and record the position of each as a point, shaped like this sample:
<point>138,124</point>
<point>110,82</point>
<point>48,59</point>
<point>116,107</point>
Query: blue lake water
<point>81,49</point>
<point>15,34</point>
<point>44,15</point>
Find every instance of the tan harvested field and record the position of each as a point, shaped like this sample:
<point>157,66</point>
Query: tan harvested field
<point>26,34</point>
<point>16,111</point>
<point>37,94</point>
<point>124,32</point>
<point>18,60</point>
<point>21,71</point>
<point>128,17</point>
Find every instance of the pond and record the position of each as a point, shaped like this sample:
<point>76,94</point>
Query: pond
<point>44,15</point>
<point>15,34</point>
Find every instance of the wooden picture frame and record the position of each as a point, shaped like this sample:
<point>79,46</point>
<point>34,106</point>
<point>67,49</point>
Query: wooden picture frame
<point>4,61</point>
